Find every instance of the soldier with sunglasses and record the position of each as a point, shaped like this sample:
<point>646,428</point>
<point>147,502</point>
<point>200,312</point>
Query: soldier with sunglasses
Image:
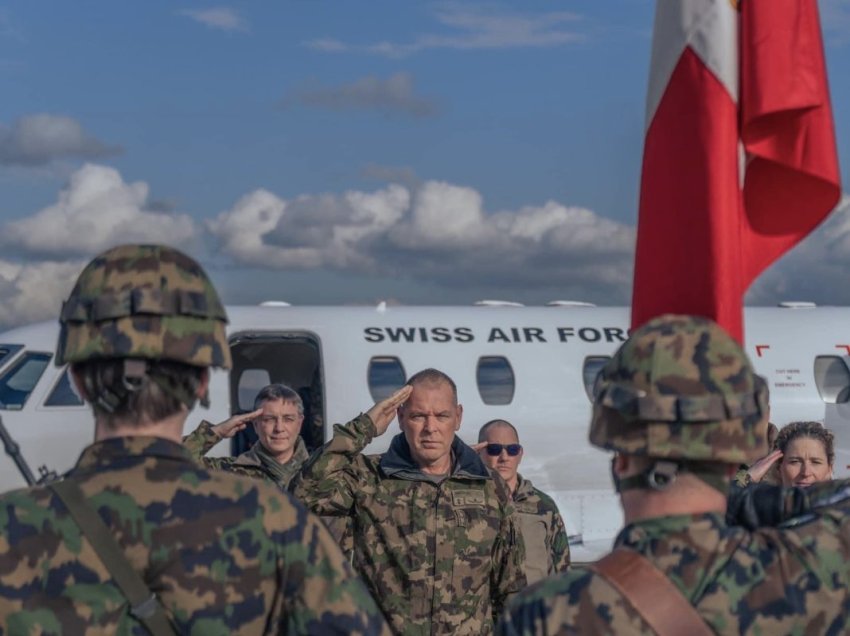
<point>547,550</point>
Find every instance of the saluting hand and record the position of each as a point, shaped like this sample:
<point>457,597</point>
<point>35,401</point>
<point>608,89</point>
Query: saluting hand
<point>383,412</point>
<point>760,467</point>
<point>231,426</point>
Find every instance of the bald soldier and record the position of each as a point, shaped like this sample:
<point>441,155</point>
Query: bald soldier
<point>139,538</point>
<point>681,407</point>
<point>547,550</point>
<point>433,529</point>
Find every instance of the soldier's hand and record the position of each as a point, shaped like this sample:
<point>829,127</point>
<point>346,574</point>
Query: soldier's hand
<point>229,427</point>
<point>480,446</point>
<point>383,412</point>
<point>760,467</point>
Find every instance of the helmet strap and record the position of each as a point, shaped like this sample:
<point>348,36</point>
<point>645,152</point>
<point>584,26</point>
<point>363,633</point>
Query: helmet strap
<point>658,476</point>
<point>662,473</point>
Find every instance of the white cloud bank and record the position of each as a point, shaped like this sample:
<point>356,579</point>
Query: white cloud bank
<point>438,233</point>
<point>32,292</point>
<point>96,210</point>
<point>35,140</point>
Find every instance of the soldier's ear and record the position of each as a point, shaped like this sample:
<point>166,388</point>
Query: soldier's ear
<point>79,385</point>
<point>459,416</point>
<point>203,384</point>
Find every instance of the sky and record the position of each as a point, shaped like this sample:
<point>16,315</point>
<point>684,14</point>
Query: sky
<point>322,152</point>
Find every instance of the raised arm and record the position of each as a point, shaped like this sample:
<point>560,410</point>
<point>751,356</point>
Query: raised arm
<point>329,480</point>
<point>202,439</point>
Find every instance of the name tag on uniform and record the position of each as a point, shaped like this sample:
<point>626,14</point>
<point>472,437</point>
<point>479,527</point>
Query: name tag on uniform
<point>468,499</point>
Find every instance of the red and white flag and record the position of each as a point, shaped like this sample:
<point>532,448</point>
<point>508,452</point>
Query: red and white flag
<point>739,162</point>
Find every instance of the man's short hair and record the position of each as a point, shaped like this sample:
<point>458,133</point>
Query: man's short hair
<point>431,375</point>
<point>482,434</point>
<point>279,391</point>
<point>150,401</point>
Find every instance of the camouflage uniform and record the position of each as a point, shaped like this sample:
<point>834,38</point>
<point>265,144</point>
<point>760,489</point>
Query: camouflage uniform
<point>681,388</point>
<point>547,550</point>
<point>202,439</point>
<point>439,556</point>
<point>224,554</point>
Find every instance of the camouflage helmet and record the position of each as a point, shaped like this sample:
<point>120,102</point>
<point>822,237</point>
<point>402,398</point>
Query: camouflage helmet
<point>144,301</point>
<point>681,388</point>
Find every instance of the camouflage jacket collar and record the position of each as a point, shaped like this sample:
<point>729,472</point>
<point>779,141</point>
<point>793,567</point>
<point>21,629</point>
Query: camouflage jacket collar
<point>397,462</point>
<point>524,489</point>
<point>251,458</point>
<point>110,451</point>
<point>646,534</point>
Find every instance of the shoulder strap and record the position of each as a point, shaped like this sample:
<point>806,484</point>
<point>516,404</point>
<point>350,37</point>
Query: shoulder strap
<point>652,595</point>
<point>144,605</point>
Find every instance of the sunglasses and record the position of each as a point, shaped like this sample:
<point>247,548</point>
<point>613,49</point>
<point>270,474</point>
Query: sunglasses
<point>494,450</point>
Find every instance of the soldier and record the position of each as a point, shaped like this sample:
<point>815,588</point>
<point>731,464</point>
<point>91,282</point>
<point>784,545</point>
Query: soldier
<point>279,452</point>
<point>547,550</point>
<point>138,536</point>
<point>681,407</point>
<point>433,529</point>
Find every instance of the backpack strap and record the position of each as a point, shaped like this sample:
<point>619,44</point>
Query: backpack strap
<point>650,593</point>
<point>144,604</point>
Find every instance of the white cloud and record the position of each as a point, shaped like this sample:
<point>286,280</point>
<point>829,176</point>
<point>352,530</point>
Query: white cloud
<point>35,140</point>
<point>394,95</point>
<point>96,210</point>
<point>32,292</point>
<point>474,28</point>
<point>221,18</point>
<point>436,233</point>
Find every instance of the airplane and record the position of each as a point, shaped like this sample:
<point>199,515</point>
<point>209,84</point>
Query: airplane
<point>533,366</point>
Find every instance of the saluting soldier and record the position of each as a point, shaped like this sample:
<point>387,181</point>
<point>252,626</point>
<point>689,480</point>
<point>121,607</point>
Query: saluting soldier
<point>279,451</point>
<point>138,537</point>
<point>433,529</point>
<point>547,550</point>
<point>681,407</point>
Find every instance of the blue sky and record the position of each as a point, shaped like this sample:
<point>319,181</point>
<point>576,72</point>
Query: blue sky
<point>340,152</point>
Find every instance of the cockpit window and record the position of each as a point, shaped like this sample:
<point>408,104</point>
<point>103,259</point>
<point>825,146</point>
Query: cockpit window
<point>19,380</point>
<point>63,394</point>
<point>8,351</point>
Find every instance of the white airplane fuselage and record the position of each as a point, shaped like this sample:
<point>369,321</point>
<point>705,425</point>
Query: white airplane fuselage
<point>528,365</point>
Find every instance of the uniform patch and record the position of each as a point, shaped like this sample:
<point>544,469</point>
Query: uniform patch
<point>468,499</point>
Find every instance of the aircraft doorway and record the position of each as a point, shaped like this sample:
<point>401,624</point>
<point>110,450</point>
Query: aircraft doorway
<point>292,358</point>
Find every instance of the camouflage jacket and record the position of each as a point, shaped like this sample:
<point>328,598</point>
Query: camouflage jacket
<point>440,558</point>
<point>547,550</point>
<point>788,579</point>
<point>225,554</point>
<point>202,439</point>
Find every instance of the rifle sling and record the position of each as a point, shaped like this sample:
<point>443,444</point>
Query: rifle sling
<point>651,594</point>
<point>144,604</point>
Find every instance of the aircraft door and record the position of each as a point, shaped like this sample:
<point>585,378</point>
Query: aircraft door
<point>291,358</point>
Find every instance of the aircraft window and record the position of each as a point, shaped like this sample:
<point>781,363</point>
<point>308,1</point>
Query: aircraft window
<point>592,366</point>
<point>7,352</point>
<point>20,379</point>
<point>386,374</point>
<point>495,379</point>
<point>250,383</point>
<point>64,394</point>
<point>832,379</point>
